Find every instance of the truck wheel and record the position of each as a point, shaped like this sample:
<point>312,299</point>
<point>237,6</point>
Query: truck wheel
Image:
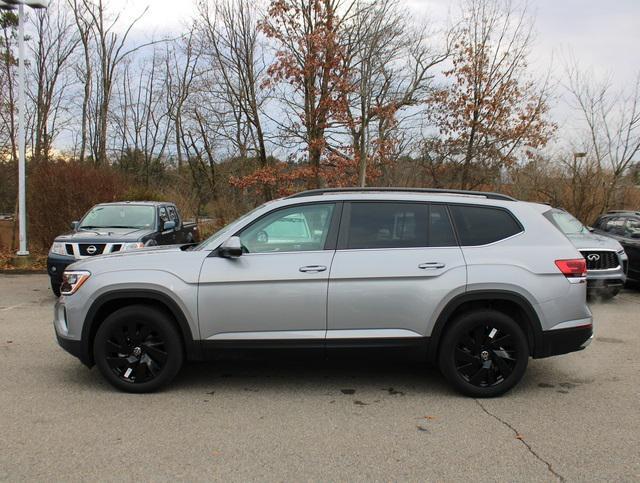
<point>55,287</point>
<point>138,349</point>
<point>484,353</point>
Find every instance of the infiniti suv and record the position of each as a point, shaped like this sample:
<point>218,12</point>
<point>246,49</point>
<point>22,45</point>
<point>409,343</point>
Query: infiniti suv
<point>474,282</point>
<point>606,259</point>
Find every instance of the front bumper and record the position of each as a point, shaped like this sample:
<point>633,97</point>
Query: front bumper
<point>74,347</point>
<point>564,341</point>
<point>56,265</point>
<point>610,278</point>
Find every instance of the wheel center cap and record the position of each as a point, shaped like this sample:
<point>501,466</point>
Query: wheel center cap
<point>137,351</point>
<point>484,355</point>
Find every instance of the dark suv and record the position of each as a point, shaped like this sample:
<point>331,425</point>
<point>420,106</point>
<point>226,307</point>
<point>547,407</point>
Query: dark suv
<point>624,226</point>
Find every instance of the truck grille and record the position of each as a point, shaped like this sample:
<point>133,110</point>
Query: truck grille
<point>600,260</point>
<point>87,251</point>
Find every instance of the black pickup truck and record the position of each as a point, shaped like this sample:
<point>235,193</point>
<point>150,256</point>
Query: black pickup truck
<point>116,227</point>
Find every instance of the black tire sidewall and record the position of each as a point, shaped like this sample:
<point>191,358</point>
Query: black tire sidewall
<point>161,322</point>
<point>462,325</point>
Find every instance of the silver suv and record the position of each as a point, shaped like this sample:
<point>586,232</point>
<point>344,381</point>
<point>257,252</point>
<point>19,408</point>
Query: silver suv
<point>474,282</point>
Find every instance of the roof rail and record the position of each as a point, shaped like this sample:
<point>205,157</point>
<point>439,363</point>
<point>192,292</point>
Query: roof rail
<point>624,211</point>
<point>328,191</point>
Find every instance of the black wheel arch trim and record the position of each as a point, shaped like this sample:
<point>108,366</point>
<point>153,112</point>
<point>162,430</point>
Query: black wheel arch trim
<point>480,296</point>
<point>192,347</point>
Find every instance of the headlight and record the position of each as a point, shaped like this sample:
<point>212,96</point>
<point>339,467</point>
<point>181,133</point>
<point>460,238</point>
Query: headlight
<point>73,280</point>
<point>58,248</point>
<point>131,246</point>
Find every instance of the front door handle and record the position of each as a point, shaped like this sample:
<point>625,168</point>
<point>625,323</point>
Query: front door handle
<point>431,265</point>
<point>313,269</point>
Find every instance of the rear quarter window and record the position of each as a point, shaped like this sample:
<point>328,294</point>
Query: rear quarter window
<point>480,225</point>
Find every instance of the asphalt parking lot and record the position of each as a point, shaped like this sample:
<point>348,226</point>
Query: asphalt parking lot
<point>575,417</point>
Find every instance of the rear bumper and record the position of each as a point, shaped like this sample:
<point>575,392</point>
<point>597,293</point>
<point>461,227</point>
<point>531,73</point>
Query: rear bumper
<point>563,341</point>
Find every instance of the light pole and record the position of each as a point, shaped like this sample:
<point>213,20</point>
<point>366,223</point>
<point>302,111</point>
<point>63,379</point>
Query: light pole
<point>22,188</point>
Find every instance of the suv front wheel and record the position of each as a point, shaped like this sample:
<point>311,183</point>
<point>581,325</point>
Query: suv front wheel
<point>138,349</point>
<point>484,353</point>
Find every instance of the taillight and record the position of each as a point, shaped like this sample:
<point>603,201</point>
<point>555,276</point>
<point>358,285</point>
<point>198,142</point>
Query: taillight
<point>576,267</point>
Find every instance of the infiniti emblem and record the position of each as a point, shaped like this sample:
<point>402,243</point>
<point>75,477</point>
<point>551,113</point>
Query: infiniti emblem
<point>594,257</point>
<point>91,249</point>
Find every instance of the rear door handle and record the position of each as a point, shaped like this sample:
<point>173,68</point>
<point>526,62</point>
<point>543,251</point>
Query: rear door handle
<point>431,265</point>
<point>313,268</point>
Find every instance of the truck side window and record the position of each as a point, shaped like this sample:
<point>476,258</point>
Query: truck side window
<point>173,215</point>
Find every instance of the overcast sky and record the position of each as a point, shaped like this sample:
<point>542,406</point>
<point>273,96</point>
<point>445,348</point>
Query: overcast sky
<point>602,34</point>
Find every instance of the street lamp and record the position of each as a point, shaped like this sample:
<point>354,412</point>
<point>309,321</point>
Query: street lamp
<point>22,198</point>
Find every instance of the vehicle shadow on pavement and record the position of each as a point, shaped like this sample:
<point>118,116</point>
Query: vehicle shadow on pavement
<point>398,378</point>
<point>342,376</point>
<point>321,377</point>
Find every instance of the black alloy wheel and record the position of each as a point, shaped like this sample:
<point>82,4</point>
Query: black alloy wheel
<point>135,352</point>
<point>138,349</point>
<point>484,353</point>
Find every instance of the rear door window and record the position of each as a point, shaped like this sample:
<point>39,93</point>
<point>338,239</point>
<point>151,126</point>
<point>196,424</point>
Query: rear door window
<point>440,229</point>
<point>388,225</point>
<point>480,225</point>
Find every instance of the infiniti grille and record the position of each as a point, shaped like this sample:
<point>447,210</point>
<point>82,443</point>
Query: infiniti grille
<point>600,260</point>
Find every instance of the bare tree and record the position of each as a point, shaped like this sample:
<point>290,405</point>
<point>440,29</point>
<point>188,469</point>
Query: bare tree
<point>231,41</point>
<point>392,67</point>
<point>111,49</point>
<point>56,41</point>
<point>181,73</point>
<point>8,25</point>
<point>612,122</point>
<point>142,122</point>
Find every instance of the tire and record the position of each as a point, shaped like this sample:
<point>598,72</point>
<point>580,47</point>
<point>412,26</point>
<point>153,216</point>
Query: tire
<point>145,361</point>
<point>55,287</point>
<point>479,362</point>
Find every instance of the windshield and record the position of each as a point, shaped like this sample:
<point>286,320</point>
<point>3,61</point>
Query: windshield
<point>566,222</point>
<point>119,216</point>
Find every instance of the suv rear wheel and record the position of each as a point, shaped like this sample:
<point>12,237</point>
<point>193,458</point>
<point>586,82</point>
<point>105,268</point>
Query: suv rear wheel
<point>138,349</point>
<point>484,353</point>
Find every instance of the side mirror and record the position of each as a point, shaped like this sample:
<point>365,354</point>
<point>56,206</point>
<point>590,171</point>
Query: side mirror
<point>74,225</point>
<point>232,248</point>
<point>169,225</point>
<point>591,229</point>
